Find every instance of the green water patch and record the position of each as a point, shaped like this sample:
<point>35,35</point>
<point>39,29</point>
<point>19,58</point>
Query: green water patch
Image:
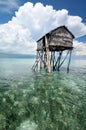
<point>44,102</point>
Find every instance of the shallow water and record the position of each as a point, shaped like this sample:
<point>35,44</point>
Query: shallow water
<point>37,101</point>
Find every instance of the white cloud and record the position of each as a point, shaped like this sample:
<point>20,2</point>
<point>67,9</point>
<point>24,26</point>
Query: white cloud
<point>76,25</point>
<point>33,21</point>
<point>15,39</point>
<point>79,48</point>
<point>8,5</point>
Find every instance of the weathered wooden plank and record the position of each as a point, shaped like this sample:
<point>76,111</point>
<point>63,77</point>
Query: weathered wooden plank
<point>65,44</point>
<point>62,32</point>
<point>48,55</point>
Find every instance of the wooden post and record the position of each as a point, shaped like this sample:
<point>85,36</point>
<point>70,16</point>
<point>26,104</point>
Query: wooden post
<point>51,58</point>
<point>64,59</point>
<point>53,61</point>
<point>36,62</point>
<point>40,59</point>
<point>47,55</point>
<point>69,61</point>
<point>59,59</point>
<point>44,59</point>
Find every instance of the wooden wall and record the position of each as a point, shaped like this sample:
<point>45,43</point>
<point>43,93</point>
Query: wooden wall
<point>58,37</point>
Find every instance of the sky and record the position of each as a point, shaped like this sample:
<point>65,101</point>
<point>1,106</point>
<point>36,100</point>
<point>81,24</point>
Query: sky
<point>22,22</point>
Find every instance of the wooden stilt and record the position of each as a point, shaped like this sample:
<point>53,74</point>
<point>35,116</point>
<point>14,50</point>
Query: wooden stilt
<point>55,66</point>
<point>53,59</point>
<point>36,62</point>
<point>69,61</point>
<point>64,59</point>
<point>59,59</point>
<point>47,55</point>
<point>45,59</point>
<point>37,59</point>
<point>40,59</point>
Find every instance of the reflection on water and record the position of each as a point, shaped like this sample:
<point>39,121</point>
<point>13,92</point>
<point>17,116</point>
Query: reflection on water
<point>38,101</point>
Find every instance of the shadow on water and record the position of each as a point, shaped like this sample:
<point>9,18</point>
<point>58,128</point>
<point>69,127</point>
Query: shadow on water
<point>44,102</point>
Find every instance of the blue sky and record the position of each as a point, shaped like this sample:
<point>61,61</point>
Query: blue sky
<point>18,35</point>
<point>75,7</point>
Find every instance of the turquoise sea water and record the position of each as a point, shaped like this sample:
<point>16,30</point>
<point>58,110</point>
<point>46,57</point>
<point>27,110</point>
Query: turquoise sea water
<point>38,101</point>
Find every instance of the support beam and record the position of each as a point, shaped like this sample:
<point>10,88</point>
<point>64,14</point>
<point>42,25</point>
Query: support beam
<point>40,55</point>
<point>64,59</point>
<point>59,60</point>
<point>52,60</point>
<point>69,61</point>
<point>45,59</point>
<point>47,55</point>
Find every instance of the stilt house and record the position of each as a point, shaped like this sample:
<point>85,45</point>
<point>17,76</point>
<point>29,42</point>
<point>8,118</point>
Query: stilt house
<point>56,41</point>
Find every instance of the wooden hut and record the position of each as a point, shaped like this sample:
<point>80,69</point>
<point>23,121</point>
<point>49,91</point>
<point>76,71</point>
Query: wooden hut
<point>56,41</point>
